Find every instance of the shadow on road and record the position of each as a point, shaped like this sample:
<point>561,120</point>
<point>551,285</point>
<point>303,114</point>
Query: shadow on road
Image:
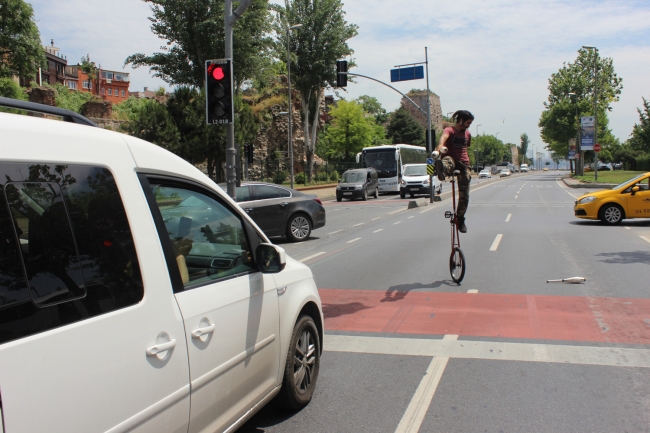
<point>626,257</point>
<point>399,292</point>
<point>269,416</point>
<point>336,310</point>
<point>283,240</point>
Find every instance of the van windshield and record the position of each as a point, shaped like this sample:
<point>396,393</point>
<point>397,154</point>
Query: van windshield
<point>415,170</point>
<point>354,177</point>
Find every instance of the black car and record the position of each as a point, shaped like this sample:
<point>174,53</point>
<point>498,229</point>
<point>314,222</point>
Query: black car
<point>281,211</point>
<point>358,183</point>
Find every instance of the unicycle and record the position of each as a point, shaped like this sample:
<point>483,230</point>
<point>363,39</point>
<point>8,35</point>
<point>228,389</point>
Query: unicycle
<point>456,259</point>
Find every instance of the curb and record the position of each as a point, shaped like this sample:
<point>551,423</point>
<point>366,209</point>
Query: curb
<point>309,188</point>
<point>587,185</point>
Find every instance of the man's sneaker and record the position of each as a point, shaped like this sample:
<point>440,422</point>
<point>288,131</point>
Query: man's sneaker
<point>461,225</point>
<point>440,169</point>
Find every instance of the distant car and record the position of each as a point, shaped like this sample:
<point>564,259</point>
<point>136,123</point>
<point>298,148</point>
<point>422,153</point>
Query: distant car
<point>617,166</point>
<point>358,183</point>
<point>524,168</point>
<point>484,173</point>
<point>281,211</point>
<point>604,168</point>
<point>630,199</point>
<point>415,180</point>
<point>545,169</point>
<point>504,172</point>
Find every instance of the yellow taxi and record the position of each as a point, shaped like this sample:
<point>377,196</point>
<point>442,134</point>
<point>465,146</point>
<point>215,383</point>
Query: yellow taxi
<point>630,199</point>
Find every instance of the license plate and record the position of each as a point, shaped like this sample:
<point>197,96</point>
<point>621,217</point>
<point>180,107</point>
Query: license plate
<point>415,189</point>
<point>347,193</point>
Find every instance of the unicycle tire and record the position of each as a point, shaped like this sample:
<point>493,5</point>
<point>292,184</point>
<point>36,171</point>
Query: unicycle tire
<point>457,265</point>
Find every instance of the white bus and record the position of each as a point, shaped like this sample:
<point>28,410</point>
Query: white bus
<point>388,160</point>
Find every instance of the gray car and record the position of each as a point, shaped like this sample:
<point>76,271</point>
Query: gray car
<point>281,211</point>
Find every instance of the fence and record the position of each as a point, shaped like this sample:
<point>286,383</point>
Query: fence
<point>277,171</point>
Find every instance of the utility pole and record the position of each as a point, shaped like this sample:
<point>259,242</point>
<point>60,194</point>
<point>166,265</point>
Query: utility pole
<point>431,145</point>
<point>231,153</point>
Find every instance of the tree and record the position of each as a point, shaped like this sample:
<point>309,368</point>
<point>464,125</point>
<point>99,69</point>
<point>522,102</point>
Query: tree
<point>560,119</point>
<point>315,48</point>
<point>491,150</point>
<point>640,139</point>
<point>153,123</point>
<point>10,89</point>
<point>371,105</point>
<point>194,31</point>
<point>69,99</point>
<point>523,148</point>
<point>21,52</point>
<point>403,128</point>
<point>350,130</point>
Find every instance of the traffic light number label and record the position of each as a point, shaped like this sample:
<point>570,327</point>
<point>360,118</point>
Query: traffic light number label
<point>220,122</point>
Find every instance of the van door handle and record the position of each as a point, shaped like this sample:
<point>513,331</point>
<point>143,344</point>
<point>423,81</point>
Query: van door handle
<point>200,332</point>
<point>159,348</point>
<point>248,209</point>
<point>283,204</point>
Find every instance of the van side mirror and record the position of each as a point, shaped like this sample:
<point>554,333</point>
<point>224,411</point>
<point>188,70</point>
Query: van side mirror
<point>270,258</point>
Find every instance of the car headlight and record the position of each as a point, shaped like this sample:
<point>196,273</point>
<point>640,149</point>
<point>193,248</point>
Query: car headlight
<point>586,200</point>
<point>425,182</point>
<point>338,187</point>
<point>401,182</point>
<point>358,186</point>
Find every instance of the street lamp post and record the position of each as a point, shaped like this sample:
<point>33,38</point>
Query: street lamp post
<point>477,148</point>
<point>595,103</point>
<point>290,146</point>
<point>577,138</point>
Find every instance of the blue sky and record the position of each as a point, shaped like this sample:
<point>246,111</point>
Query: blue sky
<point>492,58</point>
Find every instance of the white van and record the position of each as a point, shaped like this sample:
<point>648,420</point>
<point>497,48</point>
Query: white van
<point>523,168</point>
<point>135,294</point>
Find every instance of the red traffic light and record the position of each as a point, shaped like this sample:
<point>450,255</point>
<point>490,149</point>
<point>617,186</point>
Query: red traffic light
<point>217,72</point>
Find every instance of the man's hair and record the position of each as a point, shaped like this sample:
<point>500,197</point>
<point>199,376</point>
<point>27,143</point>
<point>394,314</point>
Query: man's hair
<point>461,116</point>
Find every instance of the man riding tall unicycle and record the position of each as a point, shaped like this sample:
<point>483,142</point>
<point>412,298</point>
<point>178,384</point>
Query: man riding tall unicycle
<point>453,152</point>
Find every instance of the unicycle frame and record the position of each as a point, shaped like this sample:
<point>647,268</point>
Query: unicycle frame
<point>453,216</point>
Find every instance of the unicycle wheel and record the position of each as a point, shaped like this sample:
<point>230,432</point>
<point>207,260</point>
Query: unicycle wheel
<point>457,265</point>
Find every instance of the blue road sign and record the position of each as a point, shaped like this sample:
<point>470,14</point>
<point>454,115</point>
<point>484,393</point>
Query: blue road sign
<point>429,161</point>
<point>405,74</point>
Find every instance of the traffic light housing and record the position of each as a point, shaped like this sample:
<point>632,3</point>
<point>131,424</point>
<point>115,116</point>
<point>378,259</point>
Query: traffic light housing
<point>341,79</point>
<point>249,150</point>
<point>219,107</point>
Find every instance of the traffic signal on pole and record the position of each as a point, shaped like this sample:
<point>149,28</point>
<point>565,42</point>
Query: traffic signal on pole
<point>341,79</point>
<point>219,92</point>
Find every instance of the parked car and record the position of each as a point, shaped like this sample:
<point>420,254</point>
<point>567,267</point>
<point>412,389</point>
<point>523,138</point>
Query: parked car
<point>630,199</point>
<point>281,211</point>
<point>484,174</point>
<point>523,168</point>
<point>358,183</point>
<point>604,168</point>
<point>504,172</point>
<point>415,181</point>
<point>135,294</point>
<point>617,166</point>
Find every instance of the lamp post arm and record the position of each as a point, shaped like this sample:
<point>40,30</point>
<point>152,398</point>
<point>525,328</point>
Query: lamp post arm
<point>387,85</point>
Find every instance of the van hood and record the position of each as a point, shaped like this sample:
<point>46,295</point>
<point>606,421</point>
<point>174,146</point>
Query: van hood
<point>415,178</point>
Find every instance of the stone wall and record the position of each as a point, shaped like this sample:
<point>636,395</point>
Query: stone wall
<point>420,98</point>
<point>97,109</point>
<point>42,95</point>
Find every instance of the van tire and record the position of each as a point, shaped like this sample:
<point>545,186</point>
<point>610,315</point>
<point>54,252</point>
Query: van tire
<point>402,195</point>
<point>365,195</point>
<point>376,192</point>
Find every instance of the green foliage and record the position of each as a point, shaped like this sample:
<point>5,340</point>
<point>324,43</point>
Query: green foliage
<point>299,178</point>
<point>153,123</point>
<point>559,121</point>
<point>335,176</point>
<point>21,52</point>
<point>490,150</point>
<point>280,176</point>
<point>128,109</point>
<point>640,139</point>
<point>523,147</point>
<point>643,163</point>
<point>371,105</point>
<point>403,128</point>
<point>194,31</point>
<point>88,67</point>
<point>315,48</point>
<point>350,130</point>
<point>69,99</point>
<point>10,89</point>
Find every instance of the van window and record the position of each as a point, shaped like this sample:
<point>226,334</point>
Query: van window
<point>66,250</point>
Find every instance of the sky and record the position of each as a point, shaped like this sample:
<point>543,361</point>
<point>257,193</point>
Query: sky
<point>491,58</point>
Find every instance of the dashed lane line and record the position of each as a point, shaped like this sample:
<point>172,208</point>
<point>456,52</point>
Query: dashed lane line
<point>353,240</point>
<point>645,239</point>
<point>375,218</point>
<point>410,217</point>
<point>377,231</point>
<point>472,291</point>
<point>312,256</point>
<point>508,217</point>
<point>496,242</point>
<point>427,210</point>
<point>400,210</point>
<point>338,231</point>
<point>357,225</point>
<point>398,222</point>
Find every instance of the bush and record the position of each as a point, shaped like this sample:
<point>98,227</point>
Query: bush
<point>280,176</point>
<point>335,176</point>
<point>643,163</point>
<point>322,177</point>
<point>10,89</point>
<point>299,178</point>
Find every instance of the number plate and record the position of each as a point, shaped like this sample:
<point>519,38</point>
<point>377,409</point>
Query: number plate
<point>414,189</point>
<point>347,193</point>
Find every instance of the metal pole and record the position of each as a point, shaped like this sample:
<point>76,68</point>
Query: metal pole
<point>231,175</point>
<point>430,148</point>
<point>595,111</point>
<point>290,146</point>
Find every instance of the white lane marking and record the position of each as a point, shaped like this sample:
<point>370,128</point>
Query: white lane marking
<point>397,211</point>
<point>353,240</point>
<point>516,196</point>
<point>495,244</point>
<point>427,210</point>
<point>508,217</point>
<point>626,228</point>
<point>338,231</point>
<point>645,239</point>
<point>357,225</point>
<point>565,188</point>
<point>397,223</point>
<point>410,217</point>
<point>312,256</point>
<point>499,351</point>
<point>377,231</point>
<point>419,405</point>
<point>375,219</point>
<point>472,291</point>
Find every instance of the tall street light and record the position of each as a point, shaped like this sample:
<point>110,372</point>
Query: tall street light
<point>477,147</point>
<point>586,47</point>
<point>577,138</point>
<point>290,146</point>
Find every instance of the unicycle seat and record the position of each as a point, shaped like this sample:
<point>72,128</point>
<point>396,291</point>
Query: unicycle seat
<point>456,172</point>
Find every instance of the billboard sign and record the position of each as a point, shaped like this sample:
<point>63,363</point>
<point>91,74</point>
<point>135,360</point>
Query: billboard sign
<point>588,131</point>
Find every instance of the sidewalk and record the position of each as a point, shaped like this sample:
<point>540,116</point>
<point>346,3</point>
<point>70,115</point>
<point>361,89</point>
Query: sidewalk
<point>575,183</point>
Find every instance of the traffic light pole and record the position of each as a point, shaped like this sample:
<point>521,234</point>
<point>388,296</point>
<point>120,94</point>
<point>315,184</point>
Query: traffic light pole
<point>231,153</point>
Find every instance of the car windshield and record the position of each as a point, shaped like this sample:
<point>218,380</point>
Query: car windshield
<point>621,185</point>
<point>354,177</point>
<point>415,170</point>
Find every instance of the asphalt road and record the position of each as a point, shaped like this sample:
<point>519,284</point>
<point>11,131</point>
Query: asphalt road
<point>408,350</point>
